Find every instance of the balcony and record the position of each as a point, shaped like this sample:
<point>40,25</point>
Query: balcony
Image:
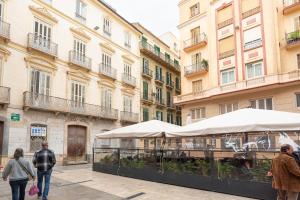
<point>159,57</point>
<point>251,12</point>
<point>226,54</point>
<point>178,88</point>
<point>171,106</point>
<point>253,44</point>
<point>59,105</point>
<point>129,117</point>
<point>225,23</point>
<point>4,96</point>
<point>258,83</point>
<point>5,31</point>
<point>147,98</point>
<point>170,84</point>
<point>290,6</point>
<point>159,79</point>
<point>108,71</point>
<point>80,60</point>
<point>147,73</point>
<point>160,102</point>
<point>42,45</point>
<point>129,80</point>
<point>196,69</point>
<point>195,43</point>
<point>292,39</point>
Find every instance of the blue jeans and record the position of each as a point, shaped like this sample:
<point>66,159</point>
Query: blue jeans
<point>18,189</point>
<point>41,176</point>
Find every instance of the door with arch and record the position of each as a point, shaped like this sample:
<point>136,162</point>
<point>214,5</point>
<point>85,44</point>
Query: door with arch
<point>76,150</point>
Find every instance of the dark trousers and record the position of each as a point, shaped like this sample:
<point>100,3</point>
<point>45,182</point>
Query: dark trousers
<point>44,175</point>
<point>18,189</point>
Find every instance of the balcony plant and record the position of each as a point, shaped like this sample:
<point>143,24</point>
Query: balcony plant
<point>293,36</point>
<point>204,63</point>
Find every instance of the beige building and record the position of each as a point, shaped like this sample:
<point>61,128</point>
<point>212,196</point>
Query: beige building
<point>160,77</point>
<point>68,70</point>
<point>237,54</point>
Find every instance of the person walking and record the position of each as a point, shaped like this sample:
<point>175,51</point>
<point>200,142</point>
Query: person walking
<point>286,174</point>
<point>44,160</point>
<point>19,172</point>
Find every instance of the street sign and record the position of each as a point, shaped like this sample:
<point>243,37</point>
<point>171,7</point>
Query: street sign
<point>15,117</point>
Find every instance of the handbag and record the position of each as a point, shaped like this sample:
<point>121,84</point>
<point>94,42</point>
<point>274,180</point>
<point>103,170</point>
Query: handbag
<point>30,176</point>
<point>33,190</point>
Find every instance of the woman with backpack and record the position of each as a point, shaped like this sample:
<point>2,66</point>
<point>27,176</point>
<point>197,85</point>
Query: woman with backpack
<point>19,172</point>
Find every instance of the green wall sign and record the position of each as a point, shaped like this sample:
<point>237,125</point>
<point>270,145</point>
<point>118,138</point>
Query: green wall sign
<point>15,117</point>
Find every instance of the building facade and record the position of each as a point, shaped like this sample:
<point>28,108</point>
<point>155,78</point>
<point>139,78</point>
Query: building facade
<point>160,79</point>
<point>69,70</point>
<point>237,54</point>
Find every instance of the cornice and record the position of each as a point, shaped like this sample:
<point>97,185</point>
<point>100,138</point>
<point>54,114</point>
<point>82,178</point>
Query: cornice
<point>43,12</point>
<point>80,32</point>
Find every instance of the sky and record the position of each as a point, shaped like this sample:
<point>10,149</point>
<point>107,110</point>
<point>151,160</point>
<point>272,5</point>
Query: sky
<point>158,16</point>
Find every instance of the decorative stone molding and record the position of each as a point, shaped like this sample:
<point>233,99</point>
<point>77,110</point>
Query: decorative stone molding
<point>106,83</point>
<point>78,75</point>
<point>128,91</point>
<point>107,47</point>
<point>4,52</point>
<point>44,13</point>
<point>128,58</point>
<point>40,62</point>
<point>81,33</point>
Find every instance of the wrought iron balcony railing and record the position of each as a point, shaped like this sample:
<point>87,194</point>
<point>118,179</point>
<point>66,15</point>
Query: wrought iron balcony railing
<point>292,37</point>
<point>195,68</point>
<point>129,117</point>
<point>226,54</point>
<point>170,84</point>
<point>79,59</point>
<point>159,78</point>
<point>147,96</point>
<point>195,40</point>
<point>129,80</point>
<point>253,44</point>
<point>5,30</point>
<point>42,44</point>
<point>147,72</point>
<point>4,95</point>
<point>108,71</point>
<point>55,104</point>
<point>160,101</point>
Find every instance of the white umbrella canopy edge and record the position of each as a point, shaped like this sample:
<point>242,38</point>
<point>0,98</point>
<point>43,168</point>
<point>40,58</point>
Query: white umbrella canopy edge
<point>241,121</point>
<point>148,129</point>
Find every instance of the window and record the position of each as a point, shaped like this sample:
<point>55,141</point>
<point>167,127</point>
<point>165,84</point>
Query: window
<point>77,93</point>
<point>38,134</point>
<point>159,115</point>
<point>195,36</point>
<point>199,143</point>
<point>298,60</point>
<point>177,82</point>
<point>266,104</point>
<point>145,66</point>
<point>198,113</point>
<point>145,114</point>
<point>40,82</point>
<point>127,103</point>
<point>127,39</point>
<point>79,50</point>
<point>226,108</point>
<point>127,69</point>
<point>1,10</point>
<point>252,38</point>
<point>254,70</point>
<point>42,33</point>
<point>145,90</point>
<point>107,26</point>
<point>158,73</point>
<point>106,60</point>
<point>178,120</point>
<point>170,118</point>
<point>296,23</point>
<point>197,86</point>
<point>81,8</point>
<point>156,50</point>
<point>159,95</point>
<point>298,100</point>
<point>230,142</point>
<point>195,10</point>
<point>106,98</point>
<point>227,76</point>
<point>169,98</point>
<point>168,78</point>
<point>226,47</point>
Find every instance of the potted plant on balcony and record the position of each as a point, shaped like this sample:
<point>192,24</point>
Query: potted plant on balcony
<point>204,63</point>
<point>293,36</point>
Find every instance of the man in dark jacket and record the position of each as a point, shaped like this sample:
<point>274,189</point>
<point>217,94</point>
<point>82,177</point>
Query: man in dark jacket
<point>286,174</point>
<point>44,160</point>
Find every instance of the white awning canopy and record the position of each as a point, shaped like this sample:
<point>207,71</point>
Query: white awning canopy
<point>240,121</point>
<point>149,129</point>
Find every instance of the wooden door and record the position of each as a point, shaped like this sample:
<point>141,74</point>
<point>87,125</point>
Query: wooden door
<point>76,143</point>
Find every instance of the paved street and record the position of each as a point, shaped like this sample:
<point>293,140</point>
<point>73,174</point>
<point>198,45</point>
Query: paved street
<point>79,182</point>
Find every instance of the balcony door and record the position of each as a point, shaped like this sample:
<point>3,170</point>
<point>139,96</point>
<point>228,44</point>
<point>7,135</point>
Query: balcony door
<point>195,35</point>
<point>145,90</point>
<point>106,98</point>
<point>77,94</point>
<point>39,87</point>
<point>127,104</point>
<point>76,145</point>
<point>42,34</point>
<point>106,63</point>
<point>196,62</point>
<point>79,49</point>
<point>159,95</point>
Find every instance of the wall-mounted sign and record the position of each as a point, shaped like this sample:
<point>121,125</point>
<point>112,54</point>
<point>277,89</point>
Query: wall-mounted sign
<point>38,131</point>
<point>15,117</point>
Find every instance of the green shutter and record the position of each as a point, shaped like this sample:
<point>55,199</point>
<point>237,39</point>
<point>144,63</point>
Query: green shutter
<point>145,90</point>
